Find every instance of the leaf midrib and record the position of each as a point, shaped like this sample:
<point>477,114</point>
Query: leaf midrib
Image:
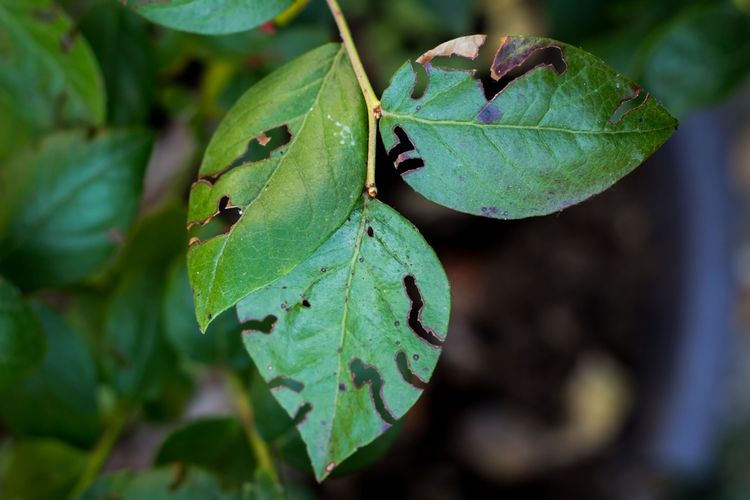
<point>484,126</point>
<point>345,316</point>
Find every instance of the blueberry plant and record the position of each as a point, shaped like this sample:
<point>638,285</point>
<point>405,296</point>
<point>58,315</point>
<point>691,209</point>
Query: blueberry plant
<point>340,303</point>
<point>344,306</point>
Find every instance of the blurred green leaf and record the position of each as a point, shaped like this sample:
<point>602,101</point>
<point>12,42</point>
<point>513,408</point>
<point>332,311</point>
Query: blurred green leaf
<point>218,445</point>
<point>313,112</point>
<point>158,484</point>
<point>348,339</point>
<point>137,357</point>
<point>42,469</point>
<point>66,205</point>
<point>22,345</point>
<point>211,17</point>
<point>698,58</point>
<point>263,487</point>
<point>220,345</point>
<point>58,399</point>
<point>553,137</point>
<point>124,50</point>
<point>48,74</point>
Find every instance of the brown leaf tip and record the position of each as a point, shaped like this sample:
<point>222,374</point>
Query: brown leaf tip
<point>465,46</point>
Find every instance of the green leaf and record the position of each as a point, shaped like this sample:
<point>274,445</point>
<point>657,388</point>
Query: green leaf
<point>211,17</point>
<point>64,385</point>
<point>125,53</point>
<point>554,136</point>
<point>48,74</point>
<point>66,205</point>
<point>220,345</point>
<point>137,358</point>
<point>290,202</point>
<point>264,487</point>
<point>21,339</point>
<point>41,469</point>
<point>349,338</point>
<point>215,444</point>
<point>699,57</point>
<point>158,484</point>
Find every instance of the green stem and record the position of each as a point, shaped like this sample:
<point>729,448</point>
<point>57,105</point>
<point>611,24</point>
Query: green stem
<point>373,103</point>
<point>99,454</point>
<point>241,401</point>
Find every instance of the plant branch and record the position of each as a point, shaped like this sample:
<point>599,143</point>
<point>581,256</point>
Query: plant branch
<point>241,401</point>
<point>371,100</point>
<point>100,453</point>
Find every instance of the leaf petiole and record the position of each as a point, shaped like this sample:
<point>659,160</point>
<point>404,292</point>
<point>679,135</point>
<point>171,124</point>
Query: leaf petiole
<point>373,103</point>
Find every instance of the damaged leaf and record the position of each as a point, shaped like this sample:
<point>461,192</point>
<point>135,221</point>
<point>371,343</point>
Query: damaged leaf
<point>359,328</point>
<point>48,74</point>
<point>67,203</point>
<point>285,167</point>
<point>210,17</point>
<point>563,130</point>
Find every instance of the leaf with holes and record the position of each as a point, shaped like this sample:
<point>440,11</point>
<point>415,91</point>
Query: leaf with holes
<point>48,74</point>
<point>567,127</point>
<point>210,17</point>
<point>288,162</point>
<point>350,337</point>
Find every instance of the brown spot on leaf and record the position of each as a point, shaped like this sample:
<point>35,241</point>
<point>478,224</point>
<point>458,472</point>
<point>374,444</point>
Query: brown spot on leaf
<point>516,51</point>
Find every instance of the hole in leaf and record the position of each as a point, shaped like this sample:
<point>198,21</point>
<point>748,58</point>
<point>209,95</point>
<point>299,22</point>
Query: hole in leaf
<point>264,326</point>
<point>421,80</point>
<point>630,103</point>
<point>289,383</point>
<point>230,213</point>
<point>370,231</point>
<point>366,374</point>
<point>514,60</point>
<point>415,313</point>
<point>402,362</point>
<point>258,148</point>
<point>306,303</point>
<point>301,414</point>
<point>402,154</point>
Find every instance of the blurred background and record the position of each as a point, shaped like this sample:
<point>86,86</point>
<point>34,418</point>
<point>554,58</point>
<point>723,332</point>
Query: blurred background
<point>599,353</point>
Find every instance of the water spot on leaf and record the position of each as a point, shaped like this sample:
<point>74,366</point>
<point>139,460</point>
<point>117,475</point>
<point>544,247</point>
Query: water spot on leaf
<point>415,313</point>
<point>364,374</point>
